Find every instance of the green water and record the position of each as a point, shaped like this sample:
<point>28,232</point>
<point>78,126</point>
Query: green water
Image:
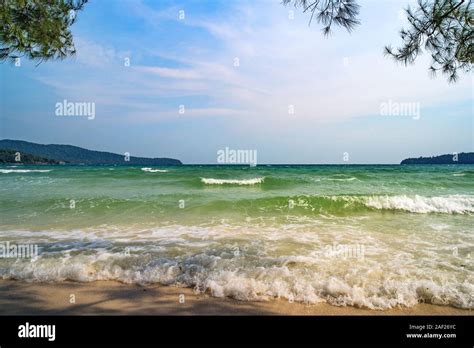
<point>370,236</point>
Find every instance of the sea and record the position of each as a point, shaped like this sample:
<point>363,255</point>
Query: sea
<point>370,236</point>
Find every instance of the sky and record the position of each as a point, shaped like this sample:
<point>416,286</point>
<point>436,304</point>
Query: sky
<point>185,79</point>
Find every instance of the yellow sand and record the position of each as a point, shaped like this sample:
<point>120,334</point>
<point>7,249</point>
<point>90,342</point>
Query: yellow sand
<point>114,298</point>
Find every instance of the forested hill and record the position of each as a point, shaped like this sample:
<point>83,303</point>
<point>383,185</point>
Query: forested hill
<point>78,155</point>
<point>462,158</point>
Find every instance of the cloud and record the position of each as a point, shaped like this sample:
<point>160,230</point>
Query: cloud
<point>249,64</point>
<point>282,63</point>
<point>170,73</point>
<point>92,54</point>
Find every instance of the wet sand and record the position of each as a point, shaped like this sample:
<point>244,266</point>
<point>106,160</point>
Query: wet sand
<point>114,298</point>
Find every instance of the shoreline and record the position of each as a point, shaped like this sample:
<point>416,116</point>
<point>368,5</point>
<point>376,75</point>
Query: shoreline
<point>115,298</point>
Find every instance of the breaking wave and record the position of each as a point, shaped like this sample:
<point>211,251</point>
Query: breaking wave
<point>226,275</point>
<point>6,171</point>
<point>452,204</point>
<point>459,204</point>
<point>151,170</point>
<point>212,181</point>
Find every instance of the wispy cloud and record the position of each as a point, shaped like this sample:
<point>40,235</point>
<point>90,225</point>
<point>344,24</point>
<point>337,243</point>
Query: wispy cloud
<point>249,64</point>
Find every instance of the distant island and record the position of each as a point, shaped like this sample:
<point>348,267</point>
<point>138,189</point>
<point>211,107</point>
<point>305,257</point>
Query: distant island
<point>11,156</point>
<point>18,151</point>
<point>462,158</point>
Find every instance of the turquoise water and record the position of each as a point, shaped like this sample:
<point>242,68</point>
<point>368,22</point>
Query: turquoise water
<point>369,236</point>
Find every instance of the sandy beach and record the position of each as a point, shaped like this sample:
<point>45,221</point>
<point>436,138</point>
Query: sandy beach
<point>114,298</point>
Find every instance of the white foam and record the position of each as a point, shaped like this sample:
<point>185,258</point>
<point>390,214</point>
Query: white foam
<point>347,285</point>
<point>460,204</point>
<point>204,258</point>
<point>341,179</point>
<point>6,171</point>
<point>212,181</point>
<point>151,170</point>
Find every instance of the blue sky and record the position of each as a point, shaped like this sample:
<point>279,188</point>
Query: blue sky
<point>335,86</point>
